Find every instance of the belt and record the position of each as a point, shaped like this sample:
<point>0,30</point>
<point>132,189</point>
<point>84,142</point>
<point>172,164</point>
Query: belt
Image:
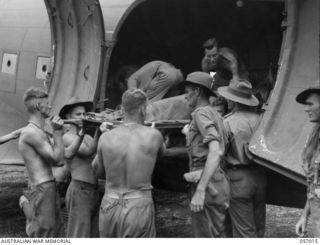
<point>241,166</point>
<point>128,195</point>
<point>48,183</point>
<point>83,183</point>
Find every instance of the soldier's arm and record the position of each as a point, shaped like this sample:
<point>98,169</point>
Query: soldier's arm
<point>92,148</point>
<point>213,160</point>
<point>205,64</point>
<point>51,154</point>
<point>161,143</point>
<point>76,147</point>
<point>13,135</point>
<point>72,144</point>
<point>148,70</point>
<point>301,226</point>
<point>97,163</point>
<point>208,126</point>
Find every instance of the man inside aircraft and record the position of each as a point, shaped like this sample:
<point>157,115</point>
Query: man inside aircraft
<point>311,161</point>
<point>39,154</point>
<point>223,62</point>
<point>207,140</point>
<point>247,180</point>
<point>126,157</point>
<point>156,79</point>
<point>82,199</point>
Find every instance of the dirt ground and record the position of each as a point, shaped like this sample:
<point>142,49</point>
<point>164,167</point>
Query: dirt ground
<point>172,215</point>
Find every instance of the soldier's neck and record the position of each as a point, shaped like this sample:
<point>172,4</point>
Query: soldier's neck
<point>240,107</point>
<point>37,121</point>
<point>133,119</point>
<point>202,102</point>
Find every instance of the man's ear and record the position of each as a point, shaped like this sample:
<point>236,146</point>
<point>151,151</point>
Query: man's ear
<point>197,90</point>
<point>37,106</point>
<point>143,111</point>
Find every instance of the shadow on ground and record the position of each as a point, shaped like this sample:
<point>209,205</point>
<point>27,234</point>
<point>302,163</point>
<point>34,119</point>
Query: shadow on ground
<point>172,210</point>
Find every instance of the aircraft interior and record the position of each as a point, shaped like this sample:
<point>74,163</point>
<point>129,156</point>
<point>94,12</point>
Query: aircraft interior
<point>174,31</point>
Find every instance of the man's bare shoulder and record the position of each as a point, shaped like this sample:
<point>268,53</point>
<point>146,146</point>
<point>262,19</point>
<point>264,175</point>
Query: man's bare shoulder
<point>29,133</point>
<point>155,132</point>
<point>122,130</point>
<point>68,137</point>
<point>152,133</point>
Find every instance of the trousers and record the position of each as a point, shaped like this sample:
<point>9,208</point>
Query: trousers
<point>127,215</point>
<point>46,219</point>
<point>210,222</point>
<point>315,216</point>
<point>82,201</point>
<point>248,202</point>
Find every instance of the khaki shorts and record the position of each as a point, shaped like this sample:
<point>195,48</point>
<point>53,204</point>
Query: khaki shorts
<point>127,215</point>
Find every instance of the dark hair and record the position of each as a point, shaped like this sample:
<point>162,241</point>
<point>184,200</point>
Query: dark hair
<point>220,101</point>
<point>132,100</point>
<point>125,72</point>
<point>210,43</point>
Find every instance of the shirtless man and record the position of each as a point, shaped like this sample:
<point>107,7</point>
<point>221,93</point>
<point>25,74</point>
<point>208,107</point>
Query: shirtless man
<point>82,197</point>
<point>39,154</point>
<point>126,157</point>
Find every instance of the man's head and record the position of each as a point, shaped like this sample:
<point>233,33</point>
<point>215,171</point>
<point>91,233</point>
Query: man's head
<point>36,101</point>
<point>134,103</point>
<point>75,108</point>
<point>211,51</point>
<point>123,74</point>
<point>311,99</point>
<point>198,86</point>
<point>220,104</point>
<point>238,92</point>
<point>76,112</point>
<point>313,107</point>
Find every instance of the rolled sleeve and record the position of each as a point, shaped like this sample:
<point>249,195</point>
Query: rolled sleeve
<point>207,126</point>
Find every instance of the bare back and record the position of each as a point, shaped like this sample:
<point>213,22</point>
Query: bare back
<point>39,170</point>
<point>128,154</point>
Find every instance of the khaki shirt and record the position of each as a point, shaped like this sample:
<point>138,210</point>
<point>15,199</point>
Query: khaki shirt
<point>240,126</point>
<point>206,125</point>
<point>156,78</point>
<point>311,168</point>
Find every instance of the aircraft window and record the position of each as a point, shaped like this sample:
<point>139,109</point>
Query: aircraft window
<point>9,63</point>
<point>44,68</point>
<point>43,64</point>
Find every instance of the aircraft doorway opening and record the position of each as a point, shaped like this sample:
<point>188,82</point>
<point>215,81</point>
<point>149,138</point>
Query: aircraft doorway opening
<point>174,31</point>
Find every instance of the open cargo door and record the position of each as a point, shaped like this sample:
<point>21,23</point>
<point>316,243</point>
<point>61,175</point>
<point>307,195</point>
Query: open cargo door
<point>78,47</point>
<point>284,128</point>
<point>83,35</point>
<point>114,13</point>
